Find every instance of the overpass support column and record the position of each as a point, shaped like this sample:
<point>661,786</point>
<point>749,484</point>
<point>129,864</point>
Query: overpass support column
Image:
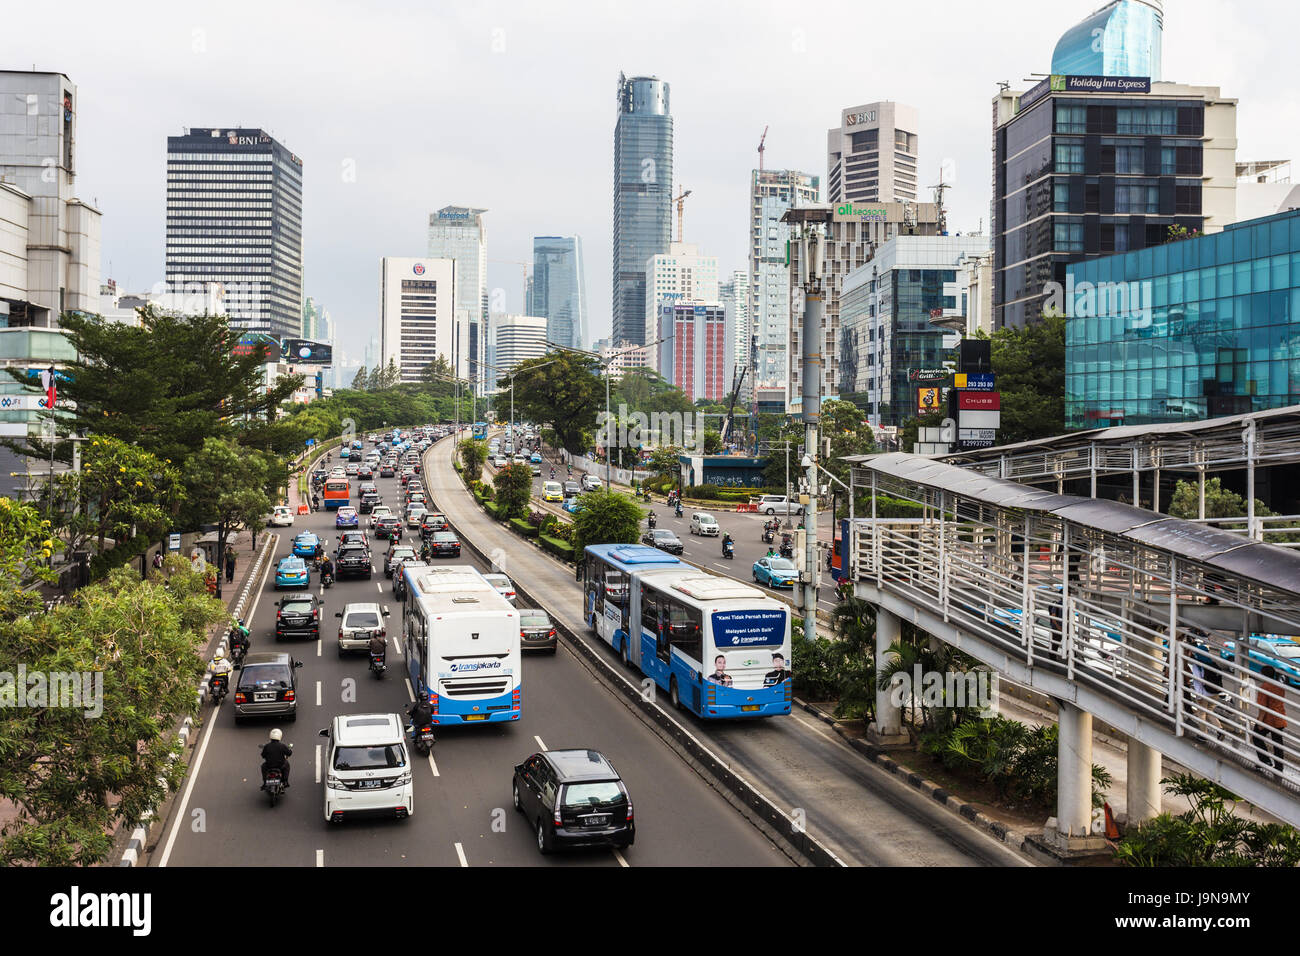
<point>887,729</point>
<point>1070,832</point>
<point>1144,768</point>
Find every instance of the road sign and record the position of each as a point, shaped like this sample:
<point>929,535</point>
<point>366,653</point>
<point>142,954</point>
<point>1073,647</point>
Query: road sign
<point>173,542</point>
<point>975,381</point>
<point>309,442</point>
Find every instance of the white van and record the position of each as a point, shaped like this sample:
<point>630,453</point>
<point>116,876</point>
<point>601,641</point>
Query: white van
<point>704,524</point>
<point>368,768</point>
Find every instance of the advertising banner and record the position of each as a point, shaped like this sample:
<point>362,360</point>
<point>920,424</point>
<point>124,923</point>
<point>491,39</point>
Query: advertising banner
<point>969,419</point>
<point>928,399</point>
<point>978,401</point>
<point>975,381</point>
<point>753,628</point>
<point>307,352</point>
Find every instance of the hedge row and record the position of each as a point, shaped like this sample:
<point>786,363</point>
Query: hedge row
<point>524,527</point>
<point>719,493</point>
<point>561,549</point>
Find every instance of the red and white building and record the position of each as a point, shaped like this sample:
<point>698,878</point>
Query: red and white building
<point>693,355</point>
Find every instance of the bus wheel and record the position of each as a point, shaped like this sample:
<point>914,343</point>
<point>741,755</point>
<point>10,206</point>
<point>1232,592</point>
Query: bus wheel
<point>672,693</point>
<point>626,660</point>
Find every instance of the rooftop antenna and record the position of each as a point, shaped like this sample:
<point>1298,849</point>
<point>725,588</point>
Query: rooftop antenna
<point>938,199</point>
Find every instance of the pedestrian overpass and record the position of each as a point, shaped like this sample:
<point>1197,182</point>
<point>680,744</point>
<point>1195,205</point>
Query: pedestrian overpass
<point>1097,604</point>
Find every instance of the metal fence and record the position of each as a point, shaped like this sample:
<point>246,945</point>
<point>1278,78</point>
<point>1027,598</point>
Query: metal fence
<point>1157,632</point>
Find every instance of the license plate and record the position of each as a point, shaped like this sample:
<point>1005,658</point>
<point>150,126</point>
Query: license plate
<point>264,695</point>
<point>596,820</point>
<point>369,784</point>
<point>749,707</point>
<point>361,636</point>
<point>476,716</point>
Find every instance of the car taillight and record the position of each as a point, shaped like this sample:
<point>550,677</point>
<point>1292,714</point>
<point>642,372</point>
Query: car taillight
<point>552,634</point>
<point>557,819</point>
<point>340,633</point>
<point>240,697</point>
<point>288,695</point>
<point>316,614</point>
<point>629,811</point>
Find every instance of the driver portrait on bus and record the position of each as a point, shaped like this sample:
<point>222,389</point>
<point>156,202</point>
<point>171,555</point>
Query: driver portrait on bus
<point>778,674</point>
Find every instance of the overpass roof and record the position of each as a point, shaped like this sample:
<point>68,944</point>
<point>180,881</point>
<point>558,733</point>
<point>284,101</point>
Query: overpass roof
<point>1233,554</point>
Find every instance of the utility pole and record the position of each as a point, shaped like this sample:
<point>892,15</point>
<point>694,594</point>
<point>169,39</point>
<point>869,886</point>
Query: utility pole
<point>808,235</point>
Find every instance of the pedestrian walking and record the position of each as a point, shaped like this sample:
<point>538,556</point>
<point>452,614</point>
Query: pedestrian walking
<point>230,564</point>
<point>157,560</point>
<point>1271,719</point>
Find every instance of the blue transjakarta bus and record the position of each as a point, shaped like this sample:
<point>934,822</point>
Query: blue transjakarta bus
<point>480,430</point>
<point>719,647</point>
<point>461,640</point>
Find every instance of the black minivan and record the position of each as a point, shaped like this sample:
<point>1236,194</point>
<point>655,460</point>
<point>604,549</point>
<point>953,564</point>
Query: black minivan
<point>574,798</point>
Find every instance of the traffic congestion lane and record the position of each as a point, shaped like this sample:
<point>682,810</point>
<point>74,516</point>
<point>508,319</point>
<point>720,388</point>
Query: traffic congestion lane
<point>863,813</point>
<point>680,819</point>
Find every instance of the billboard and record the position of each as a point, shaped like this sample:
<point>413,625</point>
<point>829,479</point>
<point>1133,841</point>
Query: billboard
<point>927,400</point>
<point>249,341</point>
<point>308,352</point>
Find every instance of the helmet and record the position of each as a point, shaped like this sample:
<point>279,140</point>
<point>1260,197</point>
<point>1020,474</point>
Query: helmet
<point>276,734</point>
<point>219,656</point>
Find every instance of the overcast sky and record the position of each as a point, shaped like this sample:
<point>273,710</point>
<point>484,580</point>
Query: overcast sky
<point>511,107</point>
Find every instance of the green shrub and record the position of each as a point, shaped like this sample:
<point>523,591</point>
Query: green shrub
<point>524,527</point>
<point>493,509</point>
<point>561,549</point>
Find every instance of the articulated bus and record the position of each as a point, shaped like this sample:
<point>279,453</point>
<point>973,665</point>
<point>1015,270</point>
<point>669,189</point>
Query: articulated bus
<point>718,646</point>
<point>337,493</point>
<point>461,640</point>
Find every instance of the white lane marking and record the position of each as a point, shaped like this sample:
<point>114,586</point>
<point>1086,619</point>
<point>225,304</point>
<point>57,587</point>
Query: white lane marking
<point>208,731</point>
<point>619,856</point>
<point>539,741</point>
<point>460,852</point>
<point>318,693</point>
<point>318,763</point>
<point>320,857</point>
<point>318,640</point>
<point>410,691</point>
<point>432,765</point>
<point>378,587</point>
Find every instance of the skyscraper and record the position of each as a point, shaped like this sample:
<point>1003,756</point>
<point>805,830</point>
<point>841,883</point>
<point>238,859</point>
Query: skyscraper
<point>417,321</point>
<point>516,338</point>
<point>1123,38</point>
<point>558,289</point>
<point>643,178</point>
<point>734,294</point>
<point>234,216</point>
<point>871,155</point>
<point>458,232</point>
<point>771,193</point>
<point>681,274</point>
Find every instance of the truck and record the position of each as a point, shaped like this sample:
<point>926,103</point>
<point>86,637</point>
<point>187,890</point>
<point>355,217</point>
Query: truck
<point>777,505</point>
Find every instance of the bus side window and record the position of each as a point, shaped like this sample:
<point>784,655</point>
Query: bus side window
<point>649,611</point>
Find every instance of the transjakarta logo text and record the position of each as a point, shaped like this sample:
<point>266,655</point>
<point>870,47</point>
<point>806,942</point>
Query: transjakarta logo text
<point>476,666</point>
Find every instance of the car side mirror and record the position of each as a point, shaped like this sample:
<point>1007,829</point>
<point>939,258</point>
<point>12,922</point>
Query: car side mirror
<point>385,612</point>
<point>324,732</point>
<point>338,613</point>
<point>297,663</point>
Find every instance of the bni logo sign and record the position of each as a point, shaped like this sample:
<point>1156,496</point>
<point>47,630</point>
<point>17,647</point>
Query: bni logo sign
<point>418,268</point>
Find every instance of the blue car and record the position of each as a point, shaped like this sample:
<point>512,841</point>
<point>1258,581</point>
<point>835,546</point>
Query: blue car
<point>535,458</point>
<point>346,518</point>
<point>345,453</point>
<point>775,572</point>
<point>1279,650</point>
<point>292,572</point>
<point>304,546</point>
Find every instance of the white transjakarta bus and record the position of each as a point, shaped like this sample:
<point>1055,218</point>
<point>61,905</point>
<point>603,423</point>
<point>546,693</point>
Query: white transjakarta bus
<point>461,639</point>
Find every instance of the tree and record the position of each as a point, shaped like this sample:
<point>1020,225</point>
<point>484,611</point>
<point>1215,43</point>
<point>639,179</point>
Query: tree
<point>472,455</point>
<point>665,461</point>
<point>850,434</point>
<point>130,648</point>
<point>25,549</point>
<point>375,381</point>
<point>606,517</point>
<point>228,488</point>
<point>1030,367</point>
<point>852,658</point>
<point>121,492</point>
<point>359,380</point>
<point>391,375</point>
<point>1220,502</point>
<point>567,395</point>
<point>164,386</point>
<point>712,441</point>
<point>514,488</point>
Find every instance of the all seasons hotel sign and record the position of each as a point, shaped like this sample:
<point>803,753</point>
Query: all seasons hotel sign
<point>858,213</point>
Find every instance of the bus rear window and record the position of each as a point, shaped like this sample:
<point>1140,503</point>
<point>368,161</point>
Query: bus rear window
<point>336,486</point>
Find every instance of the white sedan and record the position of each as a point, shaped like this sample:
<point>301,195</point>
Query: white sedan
<point>281,517</point>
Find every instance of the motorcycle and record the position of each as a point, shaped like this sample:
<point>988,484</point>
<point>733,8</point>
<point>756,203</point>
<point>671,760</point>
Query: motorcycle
<point>768,536</point>
<point>652,521</point>
<point>274,785</point>
<point>728,548</point>
<point>377,665</point>
<point>217,687</point>
<point>327,579</point>
<point>678,509</point>
<point>787,546</point>
<point>423,739</point>
<point>237,651</point>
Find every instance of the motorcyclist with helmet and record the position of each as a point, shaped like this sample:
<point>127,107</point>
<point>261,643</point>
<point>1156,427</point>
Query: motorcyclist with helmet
<point>221,668</point>
<point>275,756</point>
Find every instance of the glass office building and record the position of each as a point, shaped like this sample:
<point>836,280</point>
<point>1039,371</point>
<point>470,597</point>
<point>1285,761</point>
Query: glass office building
<point>1121,39</point>
<point>1199,328</point>
<point>643,182</point>
<point>558,289</point>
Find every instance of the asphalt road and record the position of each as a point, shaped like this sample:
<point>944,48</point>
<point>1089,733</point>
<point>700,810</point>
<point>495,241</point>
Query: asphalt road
<point>861,812</point>
<point>745,529</point>
<point>462,807</point>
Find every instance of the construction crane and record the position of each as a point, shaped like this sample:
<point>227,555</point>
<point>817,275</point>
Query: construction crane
<point>761,148</point>
<point>731,404</point>
<point>681,210</point>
